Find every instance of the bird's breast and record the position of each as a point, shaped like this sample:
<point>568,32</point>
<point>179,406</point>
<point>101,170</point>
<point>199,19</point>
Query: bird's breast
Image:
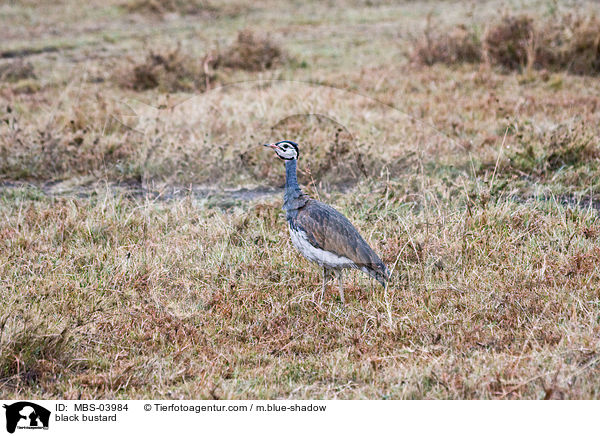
<point>315,254</point>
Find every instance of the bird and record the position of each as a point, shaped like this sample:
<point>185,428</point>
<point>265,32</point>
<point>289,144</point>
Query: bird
<point>322,234</point>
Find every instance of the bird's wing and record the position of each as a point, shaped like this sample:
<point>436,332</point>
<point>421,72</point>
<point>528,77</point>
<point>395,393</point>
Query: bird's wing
<point>331,231</point>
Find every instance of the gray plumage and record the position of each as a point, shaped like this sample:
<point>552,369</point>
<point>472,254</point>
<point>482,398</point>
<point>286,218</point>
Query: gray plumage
<point>321,233</point>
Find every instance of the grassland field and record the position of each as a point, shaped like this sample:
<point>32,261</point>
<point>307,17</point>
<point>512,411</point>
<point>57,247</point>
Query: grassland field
<point>143,249</point>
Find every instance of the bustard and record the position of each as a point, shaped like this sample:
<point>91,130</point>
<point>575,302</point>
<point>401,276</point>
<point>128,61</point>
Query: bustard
<point>321,233</point>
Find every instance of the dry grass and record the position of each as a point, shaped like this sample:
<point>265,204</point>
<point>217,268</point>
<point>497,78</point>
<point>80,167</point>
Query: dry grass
<point>218,304</point>
<point>86,138</point>
<point>566,42</point>
<point>176,71</point>
<point>162,220</point>
<point>13,71</point>
<point>162,7</point>
<point>561,149</point>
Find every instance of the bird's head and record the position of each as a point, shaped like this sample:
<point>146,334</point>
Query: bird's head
<point>286,150</point>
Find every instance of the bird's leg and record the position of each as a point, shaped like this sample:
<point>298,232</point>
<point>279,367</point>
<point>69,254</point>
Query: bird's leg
<point>324,281</point>
<point>387,303</point>
<point>341,285</point>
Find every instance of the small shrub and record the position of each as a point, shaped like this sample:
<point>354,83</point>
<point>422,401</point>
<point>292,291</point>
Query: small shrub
<point>173,71</point>
<point>169,71</point>
<point>508,42</point>
<point>457,46</point>
<point>570,43</point>
<point>252,53</point>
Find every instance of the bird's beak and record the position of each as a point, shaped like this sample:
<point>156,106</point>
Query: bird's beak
<point>273,146</point>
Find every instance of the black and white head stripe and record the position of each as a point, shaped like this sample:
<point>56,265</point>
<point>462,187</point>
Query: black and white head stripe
<point>287,150</point>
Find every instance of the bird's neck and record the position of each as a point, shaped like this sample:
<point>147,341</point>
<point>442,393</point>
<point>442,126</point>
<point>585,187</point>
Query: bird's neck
<point>293,198</point>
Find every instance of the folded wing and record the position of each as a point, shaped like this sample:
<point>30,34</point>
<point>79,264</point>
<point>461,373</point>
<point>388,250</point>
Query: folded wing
<point>329,230</point>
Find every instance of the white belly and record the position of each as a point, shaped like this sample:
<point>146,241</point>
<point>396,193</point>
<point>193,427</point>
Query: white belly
<point>322,257</point>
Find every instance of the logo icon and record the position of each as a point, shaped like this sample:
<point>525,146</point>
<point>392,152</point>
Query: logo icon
<point>26,415</point>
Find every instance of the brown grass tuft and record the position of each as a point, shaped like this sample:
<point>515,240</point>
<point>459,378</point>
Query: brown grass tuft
<point>161,7</point>
<point>459,45</point>
<point>169,71</point>
<point>252,53</point>
<point>507,43</point>
<point>176,71</point>
<point>14,71</point>
<point>570,42</point>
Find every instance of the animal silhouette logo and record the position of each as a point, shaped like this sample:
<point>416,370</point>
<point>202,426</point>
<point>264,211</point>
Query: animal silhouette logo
<point>24,414</point>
